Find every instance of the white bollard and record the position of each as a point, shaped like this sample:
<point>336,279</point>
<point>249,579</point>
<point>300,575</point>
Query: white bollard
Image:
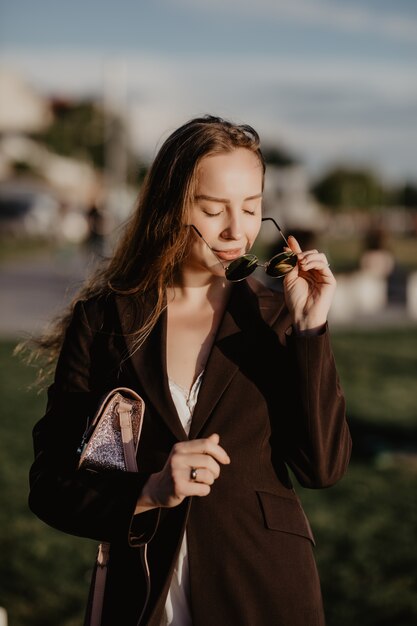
<point>369,293</point>
<point>342,309</point>
<point>3,616</point>
<point>359,293</point>
<point>412,295</point>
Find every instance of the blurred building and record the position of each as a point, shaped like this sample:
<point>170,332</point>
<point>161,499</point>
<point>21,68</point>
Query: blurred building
<point>22,109</point>
<point>288,198</point>
<point>41,193</point>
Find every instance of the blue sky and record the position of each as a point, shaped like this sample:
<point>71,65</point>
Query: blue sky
<point>334,80</point>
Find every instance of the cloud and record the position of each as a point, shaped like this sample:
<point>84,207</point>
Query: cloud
<point>332,110</point>
<point>340,16</point>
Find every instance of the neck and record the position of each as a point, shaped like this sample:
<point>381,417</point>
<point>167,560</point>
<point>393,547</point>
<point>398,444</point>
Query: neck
<point>194,286</point>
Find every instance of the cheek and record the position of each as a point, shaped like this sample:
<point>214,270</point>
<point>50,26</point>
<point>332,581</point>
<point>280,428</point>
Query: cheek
<point>199,251</point>
<point>209,229</point>
<point>253,231</point>
<point>193,217</point>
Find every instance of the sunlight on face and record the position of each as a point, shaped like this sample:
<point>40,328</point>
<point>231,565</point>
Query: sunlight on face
<point>227,207</point>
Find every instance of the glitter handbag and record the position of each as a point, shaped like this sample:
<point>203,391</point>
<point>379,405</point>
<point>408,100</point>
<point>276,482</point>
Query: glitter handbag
<point>110,443</point>
<point>111,440</point>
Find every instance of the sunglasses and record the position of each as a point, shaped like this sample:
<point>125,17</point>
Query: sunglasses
<point>245,265</point>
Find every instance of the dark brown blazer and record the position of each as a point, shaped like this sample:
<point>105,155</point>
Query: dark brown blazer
<point>275,401</point>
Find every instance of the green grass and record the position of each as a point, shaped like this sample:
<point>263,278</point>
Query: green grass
<point>344,252</point>
<point>43,573</point>
<point>16,249</point>
<point>378,373</point>
<point>366,544</point>
<point>364,526</point>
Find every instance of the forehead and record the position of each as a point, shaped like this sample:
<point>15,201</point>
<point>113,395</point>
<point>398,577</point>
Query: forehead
<point>228,173</point>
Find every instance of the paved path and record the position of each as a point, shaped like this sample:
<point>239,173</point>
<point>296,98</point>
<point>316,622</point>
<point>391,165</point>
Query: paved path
<point>33,291</point>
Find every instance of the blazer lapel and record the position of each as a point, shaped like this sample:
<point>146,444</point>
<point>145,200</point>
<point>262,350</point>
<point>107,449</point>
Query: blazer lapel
<point>249,305</point>
<point>218,373</point>
<point>149,361</point>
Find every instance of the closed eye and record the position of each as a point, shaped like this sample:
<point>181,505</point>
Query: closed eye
<point>212,214</point>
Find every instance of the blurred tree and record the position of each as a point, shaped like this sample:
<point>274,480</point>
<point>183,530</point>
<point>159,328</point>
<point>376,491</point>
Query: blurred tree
<point>77,130</point>
<point>279,156</point>
<point>136,172</point>
<point>407,195</point>
<point>346,188</point>
<point>81,130</point>
<point>25,169</point>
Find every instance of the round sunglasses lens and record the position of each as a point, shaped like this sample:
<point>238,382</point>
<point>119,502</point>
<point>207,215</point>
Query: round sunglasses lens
<point>242,267</point>
<point>281,264</point>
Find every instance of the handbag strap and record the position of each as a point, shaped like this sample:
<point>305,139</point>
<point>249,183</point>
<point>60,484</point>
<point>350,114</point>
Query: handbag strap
<point>99,584</point>
<point>124,410</point>
<point>125,416</point>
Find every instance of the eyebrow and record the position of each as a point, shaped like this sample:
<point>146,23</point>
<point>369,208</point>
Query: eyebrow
<point>225,200</point>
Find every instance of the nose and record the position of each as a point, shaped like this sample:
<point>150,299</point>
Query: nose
<point>233,230</point>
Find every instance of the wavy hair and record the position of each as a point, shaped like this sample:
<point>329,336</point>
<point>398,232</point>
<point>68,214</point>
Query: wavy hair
<point>154,241</point>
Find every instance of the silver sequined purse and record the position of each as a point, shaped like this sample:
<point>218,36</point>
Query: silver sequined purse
<point>111,440</point>
<point>110,443</point>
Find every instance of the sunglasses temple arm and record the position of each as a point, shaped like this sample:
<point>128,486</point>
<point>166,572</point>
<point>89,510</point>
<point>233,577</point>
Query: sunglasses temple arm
<point>264,219</point>
<point>207,244</point>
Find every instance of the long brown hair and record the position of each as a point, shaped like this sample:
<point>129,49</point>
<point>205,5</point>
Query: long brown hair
<point>154,241</point>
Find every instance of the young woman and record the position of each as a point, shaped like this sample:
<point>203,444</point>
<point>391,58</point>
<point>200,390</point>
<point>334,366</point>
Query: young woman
<point>239,383</point>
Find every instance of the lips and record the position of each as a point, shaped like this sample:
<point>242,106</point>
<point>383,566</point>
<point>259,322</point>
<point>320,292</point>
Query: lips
<point>228,255</point>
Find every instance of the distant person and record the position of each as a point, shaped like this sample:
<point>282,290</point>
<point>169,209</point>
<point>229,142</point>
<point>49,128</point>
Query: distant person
<point>96,229</point>
<point>239,382</point>
<point>377,259</point>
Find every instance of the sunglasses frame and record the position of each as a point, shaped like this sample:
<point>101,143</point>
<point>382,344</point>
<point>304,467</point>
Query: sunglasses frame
<point>253,259</point>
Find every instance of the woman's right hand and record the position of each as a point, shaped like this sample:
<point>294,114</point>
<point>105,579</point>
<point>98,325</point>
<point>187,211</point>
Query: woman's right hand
<point>173,483</point>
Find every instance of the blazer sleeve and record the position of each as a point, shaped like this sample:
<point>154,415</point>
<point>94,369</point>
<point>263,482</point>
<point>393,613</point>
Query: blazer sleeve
<point>317,439</point>
<point>89,504</point>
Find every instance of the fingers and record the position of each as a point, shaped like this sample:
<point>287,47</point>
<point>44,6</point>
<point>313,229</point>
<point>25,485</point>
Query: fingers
<point>309,259</point>
<point>190,470</point>
<point>205,476</point>
<point>313,260</point>
<point>197,489</point>
<point>294,245</point>
<point>208,446</point>
<point>205,461</point>
<point>201,457</point>
<point>204,467</point>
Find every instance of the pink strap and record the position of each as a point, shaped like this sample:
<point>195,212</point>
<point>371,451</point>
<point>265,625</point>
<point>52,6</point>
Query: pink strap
<point>124,411</point>
<point>99,584</point>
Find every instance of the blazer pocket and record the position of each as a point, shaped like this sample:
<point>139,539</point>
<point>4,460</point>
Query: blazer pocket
<point>285,515</point>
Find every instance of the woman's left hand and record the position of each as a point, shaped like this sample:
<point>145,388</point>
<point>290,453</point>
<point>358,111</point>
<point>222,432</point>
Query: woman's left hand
<point>309,289</point>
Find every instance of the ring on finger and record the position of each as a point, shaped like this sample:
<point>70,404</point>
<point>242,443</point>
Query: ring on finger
<point>193,473</point>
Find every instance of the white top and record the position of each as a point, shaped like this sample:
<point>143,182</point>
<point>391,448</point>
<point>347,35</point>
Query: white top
<point>177,607</point>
